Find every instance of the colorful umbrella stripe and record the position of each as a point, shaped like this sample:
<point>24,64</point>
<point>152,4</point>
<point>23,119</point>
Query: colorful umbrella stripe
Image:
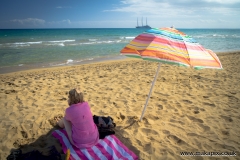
<point>169,45</point>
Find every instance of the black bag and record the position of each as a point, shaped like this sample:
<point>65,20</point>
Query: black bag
<point>105,125</point>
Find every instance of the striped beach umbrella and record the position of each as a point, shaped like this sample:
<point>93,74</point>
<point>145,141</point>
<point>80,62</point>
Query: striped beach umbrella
<point>169,45</point>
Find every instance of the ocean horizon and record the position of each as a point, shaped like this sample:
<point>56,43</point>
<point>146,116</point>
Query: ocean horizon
<point>48,47</point>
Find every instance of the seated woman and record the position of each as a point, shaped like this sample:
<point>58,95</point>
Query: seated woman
<point>78,121</point>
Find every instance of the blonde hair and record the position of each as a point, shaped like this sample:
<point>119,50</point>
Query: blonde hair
<point>75,96</point>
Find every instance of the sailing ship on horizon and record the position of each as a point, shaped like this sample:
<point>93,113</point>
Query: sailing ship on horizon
<point>146,26</point>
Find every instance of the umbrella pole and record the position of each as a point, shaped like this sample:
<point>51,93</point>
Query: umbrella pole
<point>150,92</point>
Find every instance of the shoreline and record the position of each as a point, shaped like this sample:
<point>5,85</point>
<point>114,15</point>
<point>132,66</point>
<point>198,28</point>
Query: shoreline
<point>39,66</point>
<point>11,69</point>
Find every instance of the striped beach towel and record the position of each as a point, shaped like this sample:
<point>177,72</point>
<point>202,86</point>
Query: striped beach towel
<point>109,148</point>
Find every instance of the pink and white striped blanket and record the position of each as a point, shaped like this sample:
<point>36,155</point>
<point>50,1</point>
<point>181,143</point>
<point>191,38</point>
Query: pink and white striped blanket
<point>109,148</point>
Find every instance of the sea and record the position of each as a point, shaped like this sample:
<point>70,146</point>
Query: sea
<point>38,48</point>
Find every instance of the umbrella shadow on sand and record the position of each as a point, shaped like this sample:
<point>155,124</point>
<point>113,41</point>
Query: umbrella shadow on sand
<point>42,146</point>
<point>45,144</point>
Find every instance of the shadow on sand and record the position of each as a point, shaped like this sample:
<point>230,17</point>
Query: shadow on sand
<point>45,143</point>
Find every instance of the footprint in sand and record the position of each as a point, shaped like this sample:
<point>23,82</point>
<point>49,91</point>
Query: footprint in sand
<point>159,107</point>
<point>10,91</point>
<point>195,119</point>
<point>192,134</point>
<point>226,133</point>
<point>196,112</point>
<point>24,134</point>
<point>149,131</point>
<point>166,132</point>
<point>63,99</point>
<point>174,139</point>
<point>187,101</point>
<point>209,104</point>
<point>150,119</point>
<point>203,127</point>
<point>120,116</point>
<point>228,119</point>
<point>175,121</point>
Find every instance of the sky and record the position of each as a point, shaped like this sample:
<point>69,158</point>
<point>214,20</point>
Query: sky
<point>119,13</point>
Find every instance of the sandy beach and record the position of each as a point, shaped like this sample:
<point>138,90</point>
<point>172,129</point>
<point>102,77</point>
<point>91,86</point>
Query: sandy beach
<point>189,110</point>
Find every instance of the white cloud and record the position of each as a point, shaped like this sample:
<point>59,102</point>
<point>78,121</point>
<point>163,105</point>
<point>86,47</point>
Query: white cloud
<point>223,1</point>
<point>182,13</point>
<point>61,7</point>
<point>62,22</point>
<point>149,7</point>
<point>33,21</point>
<point>175,8</point>
<point>66,21</point>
